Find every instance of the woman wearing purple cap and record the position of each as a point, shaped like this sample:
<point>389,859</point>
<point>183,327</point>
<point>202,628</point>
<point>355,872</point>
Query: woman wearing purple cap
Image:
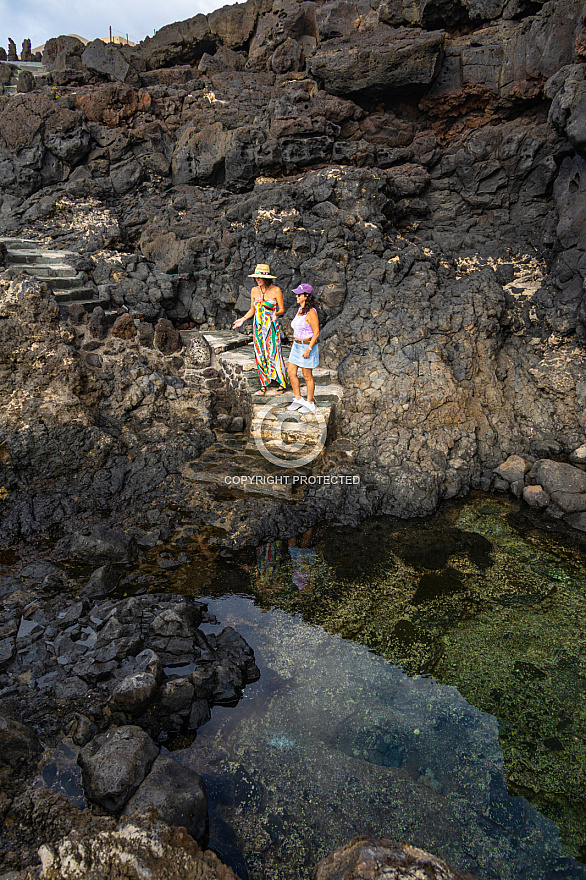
<point>304,351</point>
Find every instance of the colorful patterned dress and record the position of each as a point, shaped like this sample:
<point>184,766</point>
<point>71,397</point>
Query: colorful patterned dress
<point>267,344</point>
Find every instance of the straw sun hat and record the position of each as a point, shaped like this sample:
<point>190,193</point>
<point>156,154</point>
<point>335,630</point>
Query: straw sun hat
<point>262,271</point>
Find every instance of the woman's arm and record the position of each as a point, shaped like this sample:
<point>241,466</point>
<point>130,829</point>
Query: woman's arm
<point>279,301</point>
<point>313,321</point>
<point>249,313</point>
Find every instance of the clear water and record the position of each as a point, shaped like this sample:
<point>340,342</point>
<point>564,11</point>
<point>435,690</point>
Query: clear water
<point>416,678</point>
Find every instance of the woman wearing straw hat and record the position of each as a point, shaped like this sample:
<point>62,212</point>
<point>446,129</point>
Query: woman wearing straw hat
<point>266,305</point>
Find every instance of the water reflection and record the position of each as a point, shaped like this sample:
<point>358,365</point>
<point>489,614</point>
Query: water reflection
<point>333,743</point>
<point>485,597</point>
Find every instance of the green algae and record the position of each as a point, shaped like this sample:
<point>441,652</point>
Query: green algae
<point>485,598</point>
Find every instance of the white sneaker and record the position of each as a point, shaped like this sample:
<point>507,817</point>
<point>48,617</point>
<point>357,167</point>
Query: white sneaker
<point>306,406</point>
<point>296,403</point>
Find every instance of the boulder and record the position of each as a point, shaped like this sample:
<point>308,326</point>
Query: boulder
<point>376,859</point>
<point>108,60</point>
<point>384,60</point>
<point>182,42</point>
<point>68,44</point>
<point>102,581</point>
<point>536,497</point>
<point>114,764</point>
<point>135,692</point>
<point>176,695</point>
<point>146,334</point>
<point>513,469</point>
<point>198,351</point>
<point>177,793</point>
<point>167,337</point>
<point>124,327</point>
<point>25,82</point>
<point>97,324</point>
<point>564,483</point>
<point>100,544</point>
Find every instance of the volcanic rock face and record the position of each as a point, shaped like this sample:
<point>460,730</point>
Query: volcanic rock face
<point>420,163</point>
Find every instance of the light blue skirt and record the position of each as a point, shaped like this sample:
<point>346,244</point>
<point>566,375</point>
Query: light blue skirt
<point>296,356</point>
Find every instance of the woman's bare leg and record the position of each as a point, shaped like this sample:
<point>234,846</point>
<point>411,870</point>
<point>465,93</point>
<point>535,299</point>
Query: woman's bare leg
<point>310,382</point>
<point>292,373</point>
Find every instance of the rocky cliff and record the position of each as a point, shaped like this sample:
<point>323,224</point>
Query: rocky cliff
<point>420,162</point>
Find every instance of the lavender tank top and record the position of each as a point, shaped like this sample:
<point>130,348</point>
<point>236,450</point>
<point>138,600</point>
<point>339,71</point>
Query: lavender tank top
<point>301,327</point>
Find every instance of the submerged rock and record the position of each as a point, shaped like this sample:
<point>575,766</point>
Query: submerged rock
<point>177,793</point>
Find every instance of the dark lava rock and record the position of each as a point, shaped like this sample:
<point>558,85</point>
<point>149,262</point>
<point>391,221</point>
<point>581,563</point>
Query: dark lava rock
<point>102,582</point>
<point>124,327</point>
<point>385,60</point>
<point>134,693</point>
<point>98,325</point>
<point>374,859</point>
<point>94,360</point>
<point>199,714</point>
<point>176,695</point>
<point>68,44</point>
<point>178,794</point>
<point>107,59</point>
<point>564,483</point>
<point>167,338</point>
<point>25,82</point>
<point>76,314</point>
<point>18,743</point>
<point>99,544</point>
<point>114,764</point>
<point>146,334</point>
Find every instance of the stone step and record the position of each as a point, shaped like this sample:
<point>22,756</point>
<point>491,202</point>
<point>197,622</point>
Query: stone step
<point>36,256</point>
<point>44,272</point>
<point>219,340</point>
<point>324,395</point>
<point>82,296</point>
<point>90,304</point>
<point>72,284</point>
<point>321,377</point>
<point>18,244</point>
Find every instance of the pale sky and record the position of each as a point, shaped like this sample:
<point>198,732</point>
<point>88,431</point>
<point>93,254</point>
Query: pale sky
<point>39,20</point>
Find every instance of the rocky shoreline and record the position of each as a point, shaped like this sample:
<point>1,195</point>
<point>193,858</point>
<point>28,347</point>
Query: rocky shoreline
<point>422,164</point>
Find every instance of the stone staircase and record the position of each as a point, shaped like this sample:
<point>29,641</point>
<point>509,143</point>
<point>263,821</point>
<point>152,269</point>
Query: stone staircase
<point>36,68</point>
<point>52,267</point>
<point>279,444</point>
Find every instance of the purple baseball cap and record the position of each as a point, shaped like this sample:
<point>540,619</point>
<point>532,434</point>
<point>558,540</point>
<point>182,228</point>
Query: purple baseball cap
<point>304,288</point>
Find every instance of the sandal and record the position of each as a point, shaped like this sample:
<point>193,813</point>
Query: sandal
<point>262,390</point>
<point>280,390</point>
